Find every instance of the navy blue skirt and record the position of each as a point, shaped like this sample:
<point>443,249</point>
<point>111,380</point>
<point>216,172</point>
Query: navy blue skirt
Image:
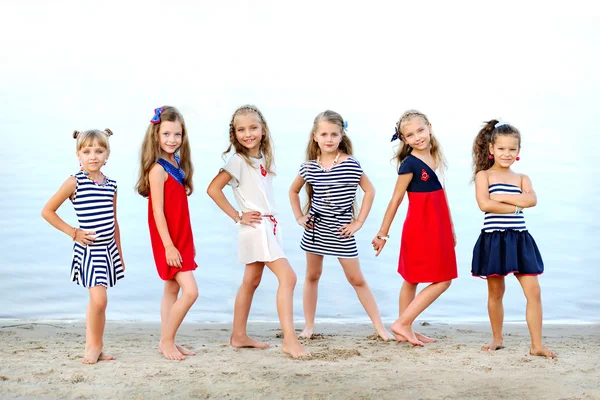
<point>500,253</point>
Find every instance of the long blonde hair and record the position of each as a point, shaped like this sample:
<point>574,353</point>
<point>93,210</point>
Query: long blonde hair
<point>265,148</point>
<point>151,152</point>
<point>313,151</point>
<point>404,149</point>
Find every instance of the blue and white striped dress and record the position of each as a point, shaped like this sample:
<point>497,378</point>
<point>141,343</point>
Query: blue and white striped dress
<point>505,246</point>
<point>98,263</point>
<point>501,222</point>
<point>334,192</point>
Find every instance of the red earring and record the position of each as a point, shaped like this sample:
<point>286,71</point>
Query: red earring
<point>80,164</point>
<point>518,158</point>
<point>491,157</point>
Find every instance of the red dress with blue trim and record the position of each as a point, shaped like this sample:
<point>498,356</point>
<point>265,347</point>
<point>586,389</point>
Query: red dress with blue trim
<point>427,245</point>
<point>177,214</point>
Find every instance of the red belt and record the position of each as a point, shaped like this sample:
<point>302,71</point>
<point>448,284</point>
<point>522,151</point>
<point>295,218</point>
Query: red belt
<point>273,220</point>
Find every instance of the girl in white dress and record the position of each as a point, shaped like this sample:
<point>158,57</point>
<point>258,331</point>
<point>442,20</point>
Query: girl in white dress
<point>249,172</point>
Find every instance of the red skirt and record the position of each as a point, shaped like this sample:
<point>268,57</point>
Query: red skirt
<point>427,246</point>
<point>177,214</point>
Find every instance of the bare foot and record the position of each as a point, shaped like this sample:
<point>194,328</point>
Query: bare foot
<point>495,344</point>
<point>405,332</point>
<point>419,336</point>
<point>245,342</point>
<point>92,355</point>
<point>170,352</point>
<point>105,357</point>
<point>306,333</point>
<point>423,338</point>
<point>182,350</point>
<point>385,335</point>
<point>542,351</point>
<point>295,349</point>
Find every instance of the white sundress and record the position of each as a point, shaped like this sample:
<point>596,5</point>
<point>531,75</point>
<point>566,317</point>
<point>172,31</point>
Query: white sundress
<point>253,191</point>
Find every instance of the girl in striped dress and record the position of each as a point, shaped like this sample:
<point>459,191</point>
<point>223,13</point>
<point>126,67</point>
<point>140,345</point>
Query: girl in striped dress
<point>332,177</point>
<point>504,245</point>
<point>97,257</point>
<point>166,180</point>
<point>427,245</point>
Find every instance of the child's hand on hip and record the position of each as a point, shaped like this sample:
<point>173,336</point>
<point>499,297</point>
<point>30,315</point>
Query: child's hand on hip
<point>306,221</point>
<point>349,230</point>
<point>251,218</point>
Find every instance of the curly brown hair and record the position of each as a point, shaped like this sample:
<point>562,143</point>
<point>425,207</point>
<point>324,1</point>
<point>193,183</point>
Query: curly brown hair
<point>486,136</point>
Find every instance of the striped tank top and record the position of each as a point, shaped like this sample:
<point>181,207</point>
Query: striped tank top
<point>94,208</point>
<point>501,222</point>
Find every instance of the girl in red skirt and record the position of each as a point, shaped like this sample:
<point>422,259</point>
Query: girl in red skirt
<point>166,179</point>
<point>428,239</point>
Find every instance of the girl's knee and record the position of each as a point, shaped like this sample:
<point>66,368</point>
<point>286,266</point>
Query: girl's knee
<point>533,292</point>
<point>496,292</point>
<point>99,303</point>
<point>288,279</point>
<point>445,285</point>
<point>252,282</point>
<point>357,281</point>
<point>190,294</point>
<point>313,276</point>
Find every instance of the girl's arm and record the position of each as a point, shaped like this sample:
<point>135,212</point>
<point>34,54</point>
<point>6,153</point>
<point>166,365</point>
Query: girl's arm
<point>485,203</point>
<point>399,192</point>
<point>527,199</point>
<point>118,233</point>
<point>157,178</point>
<point>365,208</point>
<point>294,193</point>
<point>49,213</point>
<point>215,191</point>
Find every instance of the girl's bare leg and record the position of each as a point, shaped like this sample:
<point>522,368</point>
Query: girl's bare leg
<point>403,325</point>
<point>285,306</point>
<point>496,287</point>
<point>94,326</point>
<point>189,294</point>
<point>314,269</point>
<point>533,293</point>
<point>365,295</point>
<point>241,311</point>
<point>407,295</point>
<point>170,294</point>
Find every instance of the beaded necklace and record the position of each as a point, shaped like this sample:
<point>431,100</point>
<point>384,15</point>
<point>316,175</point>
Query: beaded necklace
<point>87,174</point>
<point>335,161</point>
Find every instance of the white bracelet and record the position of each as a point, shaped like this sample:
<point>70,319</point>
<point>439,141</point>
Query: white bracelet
<point>386,237</point>
<point>239,221</point>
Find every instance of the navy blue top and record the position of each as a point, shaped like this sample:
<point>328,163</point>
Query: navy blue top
<point>424,178</point>
<point>175,172</point>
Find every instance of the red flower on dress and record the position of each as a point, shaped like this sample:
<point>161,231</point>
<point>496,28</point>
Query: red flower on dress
<point>424,175</point>
<point>263,171</point>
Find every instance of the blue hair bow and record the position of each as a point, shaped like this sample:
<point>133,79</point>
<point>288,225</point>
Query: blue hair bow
<point>156,119</point>
<point>345,125</point>
<point>396,135</point>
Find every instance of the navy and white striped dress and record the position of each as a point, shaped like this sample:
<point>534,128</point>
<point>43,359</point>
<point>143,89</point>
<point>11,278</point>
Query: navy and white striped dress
<point>98,263</point>
<point>504,245</point>
<point>334,192</point>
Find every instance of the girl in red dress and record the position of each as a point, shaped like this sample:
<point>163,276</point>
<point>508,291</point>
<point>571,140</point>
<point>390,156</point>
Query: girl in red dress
<point>166,179</point>
<point>428,239</point>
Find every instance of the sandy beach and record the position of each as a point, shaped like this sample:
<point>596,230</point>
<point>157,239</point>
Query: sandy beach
<point>43,360</point>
